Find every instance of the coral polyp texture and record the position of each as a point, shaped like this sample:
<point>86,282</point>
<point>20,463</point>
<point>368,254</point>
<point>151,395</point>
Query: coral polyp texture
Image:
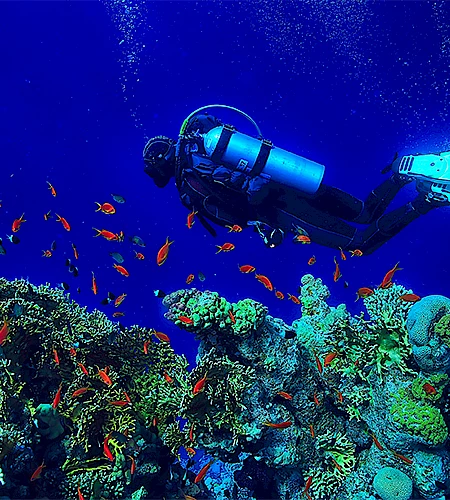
<point>334,406</point>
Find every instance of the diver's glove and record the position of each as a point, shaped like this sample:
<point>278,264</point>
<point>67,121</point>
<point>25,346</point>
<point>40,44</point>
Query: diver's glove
<point>272,237</point>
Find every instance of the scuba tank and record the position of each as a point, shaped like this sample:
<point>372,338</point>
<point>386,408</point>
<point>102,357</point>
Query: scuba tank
<point>255,156</point>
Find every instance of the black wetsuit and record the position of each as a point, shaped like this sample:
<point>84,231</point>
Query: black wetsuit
<point>228,197</point>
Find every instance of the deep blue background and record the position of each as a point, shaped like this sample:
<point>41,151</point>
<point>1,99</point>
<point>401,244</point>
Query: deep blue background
<point>65,118</point>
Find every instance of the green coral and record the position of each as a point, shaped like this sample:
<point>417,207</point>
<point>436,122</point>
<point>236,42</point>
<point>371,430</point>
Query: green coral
<point>419,418</point>
<point>436,381</point>
<point>392,484</point>
<point>442,328</point>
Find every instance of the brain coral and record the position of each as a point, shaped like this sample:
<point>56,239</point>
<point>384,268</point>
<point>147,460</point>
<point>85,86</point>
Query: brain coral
<point>423,314</point>
<point>392,484</point>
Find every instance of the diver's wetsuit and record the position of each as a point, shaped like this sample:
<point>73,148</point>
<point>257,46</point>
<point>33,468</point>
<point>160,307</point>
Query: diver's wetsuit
<point>226,197</point>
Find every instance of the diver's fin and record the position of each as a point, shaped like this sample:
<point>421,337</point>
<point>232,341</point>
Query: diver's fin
<point>387,168</point>
<point>206,225</point>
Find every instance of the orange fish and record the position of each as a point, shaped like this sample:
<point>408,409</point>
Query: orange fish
<point>279,295</point>
<point>37,472</point>
<point>429,389</point>
<point>73,351</point>
<point>188,497</point>
<point>119,403</point>
<point>200,385</point>
<point>356,253</point>
<point>80,495</point>
<point>247,269</point>
<point>83,368</point>
<point>329,358</point>
<point>294,299</point>
<point>318,363</point>
<point>190,219</point>
<point>316,399</point>
<point>167,378</point>
<point>126,396</point>
<point>55,356</point>
<point>191,433</point>
<point>343,256</point>
<point>190,451</point>
<point>186,320</point>
<point>311,430</point>
<point>340,396</point>
<point>63,221</point>
<point>118,314</point>
<point>363,292</point>
<point>133,465</point>
<point>234,229</point>
<point>17,223</point>
<point>338,467</point>
<point>108,235</point>
<point>105,208</point>
<point>139,255</point>
<point>302,238</point>
<point>146,344</point>
<point>281,425</point>
<point>75,251</point>
<point>47,215</point>
<point>80,391</point>
<point>203,472</point>
<point>119,300</point>
<point>57,398</point>
<point>46,253</point>
<point>226,247</point>
<point>377,443</point>
<point>52,189</point>
<point>231,315</point>
<point>163,252</point>
<point>409,297</point>
<point>162,337</point>
<point>284,395</point>
<point>402,458</point>
<point>105,377</point>
<point>190,279</point>
<point>106,450</point>
<point>265,281</point>
<point>312,261</point>
<point>120,269</point>
<point>94,287</point>
<point>387,280</point>
<point>337,272</point>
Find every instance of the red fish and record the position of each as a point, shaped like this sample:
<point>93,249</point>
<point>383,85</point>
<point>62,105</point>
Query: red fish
<point>337,272</point>
<point>146,344</point>
<point>119,300</point>
<point>94,287</point>
<point>279,295</point>
<point>106,450</point>
<point>246,269</point>
<point>265,281</point>
<point>343,256</point>
<point>163,252</point>
<point>191,433</point>
<point>55,356</point>
<point>312,261</point>
<point>311,430</point>
<point>126,396</point>
<point>162,337</point>
<point>186,320</point>
<point>167,378</point>
<point>200,385</point>
<point>302,238</point>
<point>120,269</point>
<point>190,451</point>
<point>377,443</point>
<point>409,297</point>
<point>119,403</point>
<point>429,389</point>
<point>57,398</point>
<point>75,251</point>
<point>47,215</point>
<point>387,280</point>
<point>226,247</point>
<point>83,368</point>
<point>52,189</point>
<point>139,255</point>
<point>340,396</point>
<point>80,495</point>
<point>203,472</point>
<point>190,219</point>
<point>108,235</point>
<point>46,253</point>
<point>190,279</point>
<point>17,223</point>
<point>72,351</point>
<point>281,425</point>
<point>4,332</point>
<point>284,395</point>
<point>105,377</point>
<point>363,292</point>
<point>318,363</point>
<point>294,299</point>
<point>402,458</point>
<point>105,208</point>
<point>356,253</point>
<point>338,467</point>
<point>118,314</point>
<point>37,473</point>
<point>231,315</point>
<point>63,221</point>
<point>329,358</point>
<point>80,391</point>
<point>308,484</point>
<point>316,399</point>
<point>133,465</point>
<point>234,229</point>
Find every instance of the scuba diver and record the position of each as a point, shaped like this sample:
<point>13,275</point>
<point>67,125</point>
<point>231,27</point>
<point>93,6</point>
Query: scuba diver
<point>231,178</point>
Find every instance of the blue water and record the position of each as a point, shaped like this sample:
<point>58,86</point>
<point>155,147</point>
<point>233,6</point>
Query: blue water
<point>84,84</point>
